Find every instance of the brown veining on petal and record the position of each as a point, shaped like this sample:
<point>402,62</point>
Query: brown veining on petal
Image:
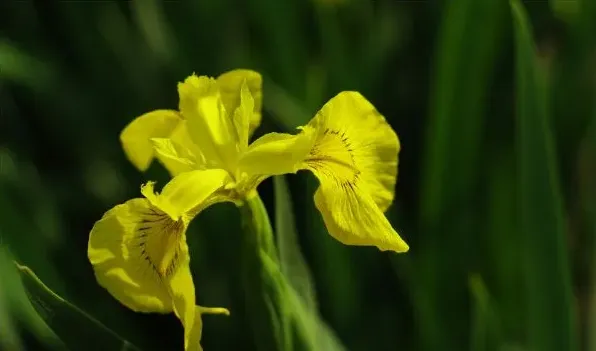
<point>332,156</point>
<point>157,242</point>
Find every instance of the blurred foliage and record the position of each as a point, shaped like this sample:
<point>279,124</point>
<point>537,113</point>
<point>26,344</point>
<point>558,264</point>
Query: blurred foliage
<point>495,107</point>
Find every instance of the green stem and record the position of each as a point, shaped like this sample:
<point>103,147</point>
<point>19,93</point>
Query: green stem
<point>264,286</point>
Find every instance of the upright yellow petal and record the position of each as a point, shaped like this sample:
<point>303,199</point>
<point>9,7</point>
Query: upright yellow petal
<point>354,156</point>
<point>241,117</point>
<point>214,132</point>
<point>178,153</point>
<point>136,136</point>
<point>192,89</point>
<point>229,86</point>
<point>174,157</point>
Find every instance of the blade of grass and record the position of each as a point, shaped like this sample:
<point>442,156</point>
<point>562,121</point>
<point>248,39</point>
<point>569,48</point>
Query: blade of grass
<point>465,57</point>
<point>15,307</point>
<point>504,254</point>
<point>293,265</point>
<point>284,108</point>
<point>485,328</point>
<point>588,198</point>
<point>284,41</point>
<point>565,9</point>
<point>76,329</point>
<point>550,312</point>
<point>295,269</point>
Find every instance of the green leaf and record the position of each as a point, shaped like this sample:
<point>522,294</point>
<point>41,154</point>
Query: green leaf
<point>465,59</point>
<point>22,68</point>
<point>265,295</point>
<point>284,109</point>
<point>502,235</point>
<point>281,318</point>
<point>565,9</point>
<point>16,309</point>
<point>309,331</point>
<point>467,47</point>
<point>297,274</point>
<point>75,328</point>
<point>550,312</point>
<point>587,186</point>
<point>484,331</point>
<point>293,265</point>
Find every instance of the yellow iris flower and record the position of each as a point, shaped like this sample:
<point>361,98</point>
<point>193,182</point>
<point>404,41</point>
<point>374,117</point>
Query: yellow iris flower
<point>348,146</point>
<point>138,249</point>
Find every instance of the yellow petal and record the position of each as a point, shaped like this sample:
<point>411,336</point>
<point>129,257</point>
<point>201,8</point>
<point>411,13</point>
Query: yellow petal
<point>178,153</point>
<point>353,141</point>
<point>136,136</point>
<point>197,329</point>
<point>183,294</point>
<point>276,153</point>
<point>229,86</point>
<point>209,126</point>
<point>213,131</point>
<point>182,290</point>
<point>132,248</point>
<point>139,254</point>
<point>352,217</point>
<point>354,156</point>
<point>187,191</point>
<point>242,117</point>
<point>192,89</point>
<point>175,158</point>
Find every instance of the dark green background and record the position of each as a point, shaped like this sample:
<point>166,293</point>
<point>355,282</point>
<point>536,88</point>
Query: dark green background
<point>497,178</point>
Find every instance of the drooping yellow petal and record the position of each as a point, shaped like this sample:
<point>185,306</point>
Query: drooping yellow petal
<point>352,217</point>
<point>136,135</point>
<point>354,156</point>
<point>353,139</point>
<point>182,290</point>
<point>187,191</point>
<point>197,329</point>
<point>131,249</point>
<point>229,86</point>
